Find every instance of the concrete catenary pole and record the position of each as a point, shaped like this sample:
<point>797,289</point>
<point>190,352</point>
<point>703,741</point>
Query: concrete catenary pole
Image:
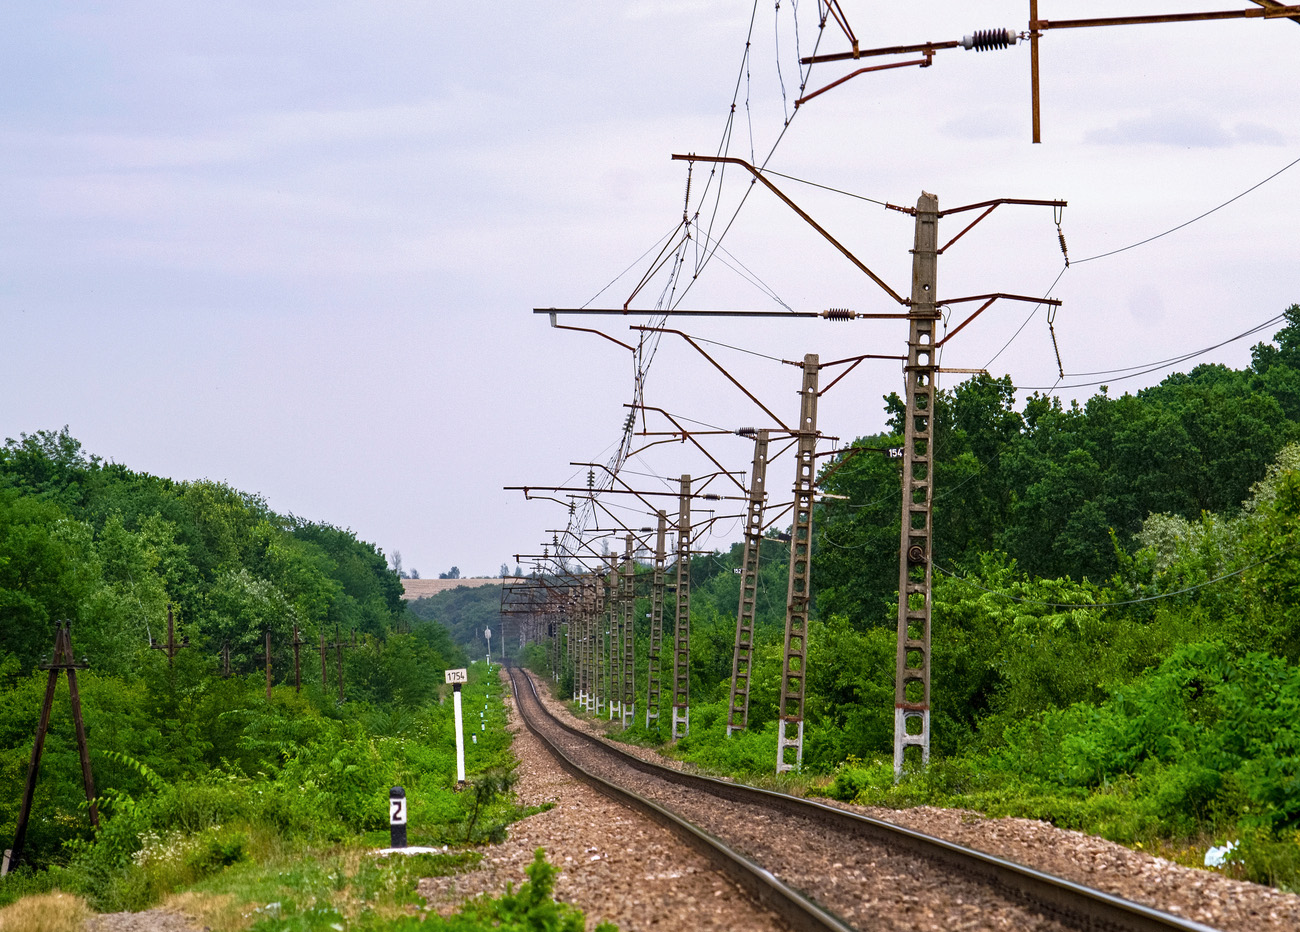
<point>742,655</point>
<point>789,737</point>
<point>912,670</point>
<point>682,629</point>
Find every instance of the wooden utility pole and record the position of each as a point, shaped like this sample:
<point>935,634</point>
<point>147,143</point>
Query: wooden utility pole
<point>912,669</point>
<point>297,669</point>
<point>171,646</point>
<point>268,663</point>
<point>795,663</point>
<point>338,645</point>
<point>61,659</point>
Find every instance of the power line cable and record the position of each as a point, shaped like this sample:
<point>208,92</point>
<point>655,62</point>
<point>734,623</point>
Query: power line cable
<point>1151,239</point>
<point>1027,319</point>
<point>824,187</point>
<point>1147,368</point>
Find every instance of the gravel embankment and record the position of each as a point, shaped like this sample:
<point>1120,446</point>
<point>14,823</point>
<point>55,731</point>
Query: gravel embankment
<point>1201,895</point>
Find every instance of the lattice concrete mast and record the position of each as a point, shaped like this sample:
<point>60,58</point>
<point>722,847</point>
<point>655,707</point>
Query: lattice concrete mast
<point>794,664</point>
<point>627,602</point>
<point>653,673</point>
<point>912,671</point>
<point>682,624</point>
<point>742,655</point>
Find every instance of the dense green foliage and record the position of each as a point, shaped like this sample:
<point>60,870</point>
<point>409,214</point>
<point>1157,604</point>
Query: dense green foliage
<point>464,613</point>
<point>298,770</point>
<point>196,771</point>
<point>108,549</point>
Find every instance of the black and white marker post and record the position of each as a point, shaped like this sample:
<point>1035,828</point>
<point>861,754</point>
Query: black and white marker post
<point>487,633</point>
<point>457,678</point>
<point>397,817</point>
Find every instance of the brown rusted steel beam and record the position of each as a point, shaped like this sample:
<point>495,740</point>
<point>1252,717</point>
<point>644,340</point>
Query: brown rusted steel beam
<point>748,394</point>
<point>925,62</point>
<point>929,47</point>
<point>988,299</point>
<point>675,312</point>
<point>688,435</point>
<point>758,175</point>
<point>1272,12</point>
<point>1274,5</point>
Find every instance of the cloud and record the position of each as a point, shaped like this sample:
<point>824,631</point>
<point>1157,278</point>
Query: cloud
<point>984,124</point>
<point>1184,131</point>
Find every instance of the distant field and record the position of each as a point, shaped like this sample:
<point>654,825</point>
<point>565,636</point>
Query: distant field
<point>420,588</point>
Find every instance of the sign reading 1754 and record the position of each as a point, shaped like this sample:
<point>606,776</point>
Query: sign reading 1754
<point>458,676</point>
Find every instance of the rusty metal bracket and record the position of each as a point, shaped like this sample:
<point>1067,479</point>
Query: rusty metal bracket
<point>758,175</point>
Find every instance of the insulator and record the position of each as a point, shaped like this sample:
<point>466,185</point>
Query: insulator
<point>591,478</point>
<point>839,313</point>
<point>1065,252</point>
<point>986,40</point>
<point>746,431</point>
<point>916,554</point>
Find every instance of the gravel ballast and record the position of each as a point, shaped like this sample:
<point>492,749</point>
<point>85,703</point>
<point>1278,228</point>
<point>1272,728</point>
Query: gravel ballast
<point>1200,895</point>
<point>616,865</point>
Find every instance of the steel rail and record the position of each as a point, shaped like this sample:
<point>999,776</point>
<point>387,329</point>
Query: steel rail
<point>769,892</point>
<point>1073,903</point>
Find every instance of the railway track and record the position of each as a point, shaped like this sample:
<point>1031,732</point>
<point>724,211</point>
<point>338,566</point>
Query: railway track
<point>823,868</point>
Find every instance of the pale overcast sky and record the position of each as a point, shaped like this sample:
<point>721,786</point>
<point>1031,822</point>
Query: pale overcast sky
<point>296,246</point>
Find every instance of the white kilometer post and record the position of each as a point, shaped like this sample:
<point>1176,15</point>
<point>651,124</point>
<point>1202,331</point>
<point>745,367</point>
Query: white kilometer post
<point>487,633</point>
<point>456,678</point>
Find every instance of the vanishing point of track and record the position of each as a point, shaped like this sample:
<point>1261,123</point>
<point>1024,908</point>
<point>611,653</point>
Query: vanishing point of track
<point>823,868</point>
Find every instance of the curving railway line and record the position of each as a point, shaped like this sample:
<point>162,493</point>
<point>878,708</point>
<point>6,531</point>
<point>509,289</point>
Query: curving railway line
<point>824,868</point>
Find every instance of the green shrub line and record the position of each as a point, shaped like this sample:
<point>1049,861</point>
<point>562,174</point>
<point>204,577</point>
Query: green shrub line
<point>311,781</point>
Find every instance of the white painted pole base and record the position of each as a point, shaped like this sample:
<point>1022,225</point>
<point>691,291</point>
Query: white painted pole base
<point>681,722</point>
<point>903,740</point>
<point>629,715</point>
<point>782,742</point>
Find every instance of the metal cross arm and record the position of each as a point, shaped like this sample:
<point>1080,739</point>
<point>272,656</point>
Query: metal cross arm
<point>989,206</point>
<point>980,41</point>
<point>686,435</point>
<point>1266,9</point>
<point>988,299</point>
<point>758,175</point>
<point>855,362</point>
<point>830,313</point>
<point>925,61</point>
<point>675,312</point>
<point>731,378</point>
<point>538,498</point>
<point>614,477</point>
<point>699,492</point>
<point>559,326</point>
<point>709,496</point>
